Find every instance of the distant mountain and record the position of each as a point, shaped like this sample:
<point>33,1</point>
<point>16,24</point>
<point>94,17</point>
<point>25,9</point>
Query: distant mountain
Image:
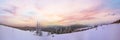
<point>117,21</point>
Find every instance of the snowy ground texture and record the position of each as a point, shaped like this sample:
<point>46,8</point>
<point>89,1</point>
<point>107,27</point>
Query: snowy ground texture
<point>105,32</point>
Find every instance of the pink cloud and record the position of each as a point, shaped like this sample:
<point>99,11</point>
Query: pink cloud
<point>83,11</point>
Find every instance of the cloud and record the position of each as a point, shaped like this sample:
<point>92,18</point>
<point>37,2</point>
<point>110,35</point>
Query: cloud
<point>57,12</point>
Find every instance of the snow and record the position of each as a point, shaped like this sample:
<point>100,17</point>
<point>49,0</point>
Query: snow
<point>105,32</point>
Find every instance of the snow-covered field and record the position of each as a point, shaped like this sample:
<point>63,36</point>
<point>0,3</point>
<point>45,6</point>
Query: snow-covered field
<point>105,32</point>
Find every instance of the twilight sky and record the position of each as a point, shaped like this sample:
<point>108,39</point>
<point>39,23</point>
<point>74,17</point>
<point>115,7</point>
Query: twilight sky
<point>58,12</point>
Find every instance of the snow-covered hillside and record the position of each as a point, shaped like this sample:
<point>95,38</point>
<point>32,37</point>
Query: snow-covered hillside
<point>105,32</point>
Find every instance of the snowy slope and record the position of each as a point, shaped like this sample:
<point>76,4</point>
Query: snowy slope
<point>105,32</point>
<point>7,33</point>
